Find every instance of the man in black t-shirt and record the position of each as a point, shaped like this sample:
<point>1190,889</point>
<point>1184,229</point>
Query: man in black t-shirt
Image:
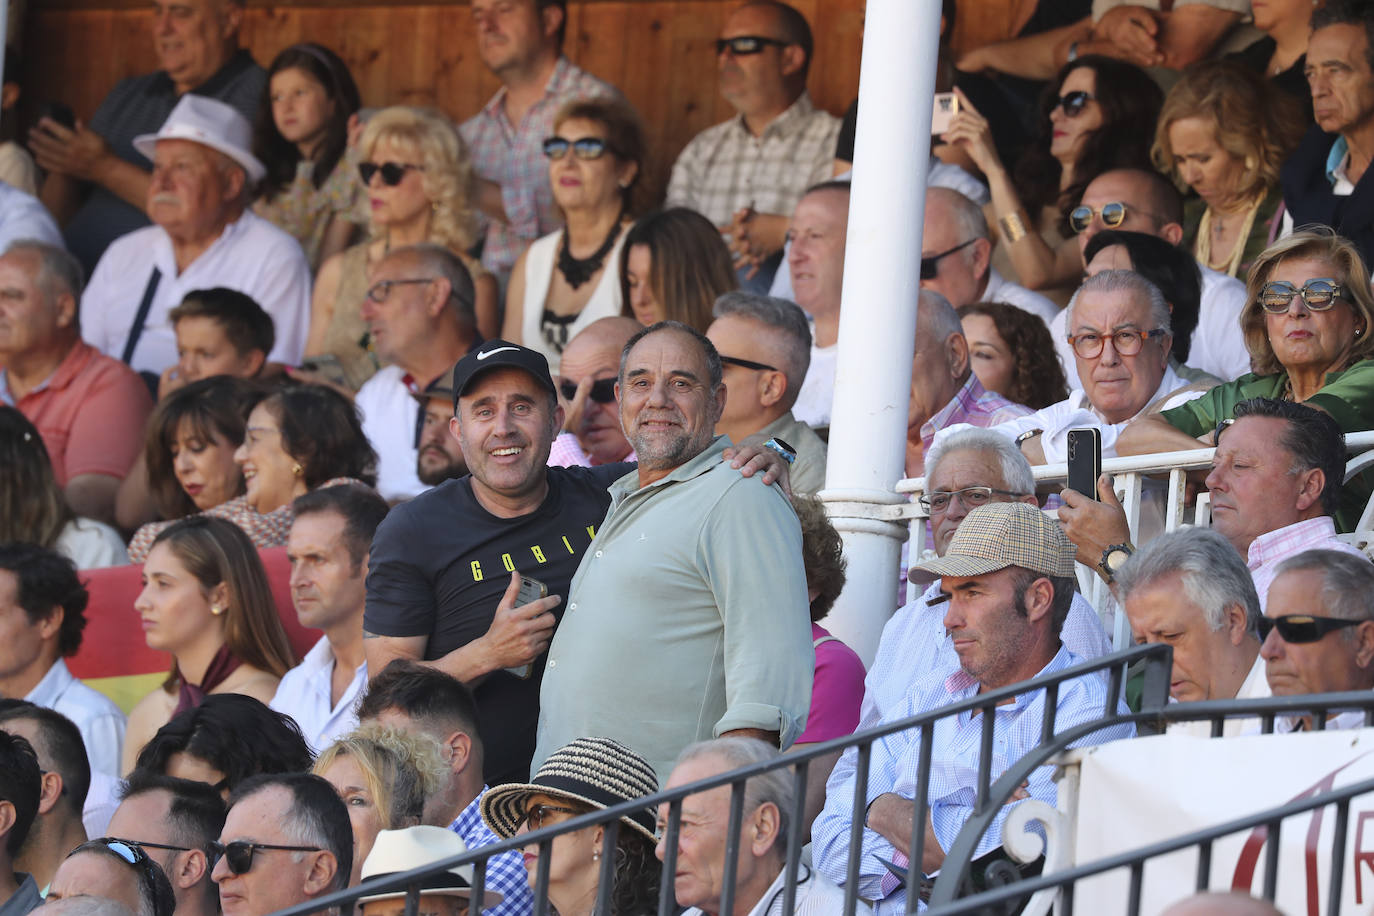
<point>445,567</point>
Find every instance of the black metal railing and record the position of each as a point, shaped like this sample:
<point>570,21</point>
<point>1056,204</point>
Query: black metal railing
<point>1151,663</point>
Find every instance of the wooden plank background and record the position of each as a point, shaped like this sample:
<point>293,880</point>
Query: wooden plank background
<point>658,52</point>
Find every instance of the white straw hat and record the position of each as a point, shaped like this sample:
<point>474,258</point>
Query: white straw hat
<point>211,123</point>
<point>397,851</point>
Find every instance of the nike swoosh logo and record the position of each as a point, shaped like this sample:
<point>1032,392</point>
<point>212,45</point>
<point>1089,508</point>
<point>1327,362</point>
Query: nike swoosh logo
<point>482,356</point>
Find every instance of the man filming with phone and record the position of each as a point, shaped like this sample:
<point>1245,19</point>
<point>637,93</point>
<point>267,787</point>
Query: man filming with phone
<point>445,568</point>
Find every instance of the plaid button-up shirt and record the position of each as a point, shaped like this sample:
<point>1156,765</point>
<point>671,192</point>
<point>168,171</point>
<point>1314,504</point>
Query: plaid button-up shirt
<point>512,156</point>
<point>975,405</point>
<point>726,168</point>
<point>1271,548</point>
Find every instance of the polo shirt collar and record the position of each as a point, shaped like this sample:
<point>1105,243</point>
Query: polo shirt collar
<point>709,458</point>
<point>237,63</point>
<point>75,360</point>
<point>1278,544</point>
<point>791,122</point>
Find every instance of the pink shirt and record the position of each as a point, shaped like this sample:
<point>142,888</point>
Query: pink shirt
<point>837,691</point>
<point>90,414</point>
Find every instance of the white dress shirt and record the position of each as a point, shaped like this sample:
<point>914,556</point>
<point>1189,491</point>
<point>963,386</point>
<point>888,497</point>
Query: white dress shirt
<point>389,414</point>
<point>304,695</point>
<point>23,216</point>
<point>1254,687</point>
<point>95,715</point>
<point>251,255</point>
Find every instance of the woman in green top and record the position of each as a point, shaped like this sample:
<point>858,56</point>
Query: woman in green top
<point>1306,322</point>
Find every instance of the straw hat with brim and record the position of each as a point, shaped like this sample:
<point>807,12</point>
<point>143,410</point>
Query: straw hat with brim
<point>999,535</point>
<point>398,851</point>
<point>211,123</point>
<point>596,772</point>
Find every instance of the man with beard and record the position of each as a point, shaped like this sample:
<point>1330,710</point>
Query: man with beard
<point>439,456</point>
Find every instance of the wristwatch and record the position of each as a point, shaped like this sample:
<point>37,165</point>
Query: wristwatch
<point>1113,558</point>
<point>787,452</point>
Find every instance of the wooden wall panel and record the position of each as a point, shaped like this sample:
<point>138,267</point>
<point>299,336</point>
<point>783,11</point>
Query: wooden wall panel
<point>659,52</point>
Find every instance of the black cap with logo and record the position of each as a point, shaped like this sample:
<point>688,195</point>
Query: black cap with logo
<point>499,354</point>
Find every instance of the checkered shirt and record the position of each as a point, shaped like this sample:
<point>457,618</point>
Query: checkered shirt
<point>512,156</point>
<point>975,405</point>
<point>726,168</point>
<point>1270,549</point>
<point>505,872</point>
<point>566,452</point>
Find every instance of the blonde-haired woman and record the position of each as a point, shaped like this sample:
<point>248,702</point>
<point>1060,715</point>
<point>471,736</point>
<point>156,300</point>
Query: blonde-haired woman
<point>384,777</point>
<point>418,178</point>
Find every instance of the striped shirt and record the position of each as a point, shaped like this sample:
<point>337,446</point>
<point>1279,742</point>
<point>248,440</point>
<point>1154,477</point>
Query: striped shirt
<point>1273,547</point>
<point>726,168</point>
<point>972,404</point>
<point>505,872</point>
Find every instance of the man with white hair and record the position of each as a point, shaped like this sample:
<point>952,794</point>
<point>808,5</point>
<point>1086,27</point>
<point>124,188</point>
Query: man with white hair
<point>959,263</point>
<point>1120,331</point>
<point>765,348</point>
<point>1190,590</point>
<point>204,236</point>
<point>701,843</point>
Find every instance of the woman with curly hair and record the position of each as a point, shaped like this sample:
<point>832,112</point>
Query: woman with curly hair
<point>418,178</point>
<point>384,777</point>
<point>297,439</point>
<point>589,774</point>
<point>567,279</point>
<point>1225,132</point>
<point>1012,354</point>
<point>1090,123</point>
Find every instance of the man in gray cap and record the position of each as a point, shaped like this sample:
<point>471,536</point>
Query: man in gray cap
<point>1008,578</point>
<point>204,236</point>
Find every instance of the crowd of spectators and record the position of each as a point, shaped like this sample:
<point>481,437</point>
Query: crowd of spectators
<point>540,451</point>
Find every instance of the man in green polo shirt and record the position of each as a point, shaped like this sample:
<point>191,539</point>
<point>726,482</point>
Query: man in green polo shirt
<point>687,618</point>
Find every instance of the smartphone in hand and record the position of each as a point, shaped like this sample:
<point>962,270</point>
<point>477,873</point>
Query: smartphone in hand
<point>531,589</point>
<point>1085,460</point>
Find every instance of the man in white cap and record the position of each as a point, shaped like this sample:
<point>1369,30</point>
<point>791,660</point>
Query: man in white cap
<point>1008,578</point>
<point>443,894</point>
<point>204,236</point>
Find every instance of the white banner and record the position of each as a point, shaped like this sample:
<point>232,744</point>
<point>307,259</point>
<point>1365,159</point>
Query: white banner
<point>1135,793</point>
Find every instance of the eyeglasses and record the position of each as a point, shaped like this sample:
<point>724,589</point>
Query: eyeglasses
<point>238,855</point>
<point>602,391</point>
<point>1302,628</point>
<point>1319,294</point>
<point>535,816</point>
<point>744,45</point>
<point>1073,103</point>
<point>131,853</point>
<point>393,173</point>
<point>584,148</point>
<point>1126,342</point>
<point>381,291</point>
<point>1113,215</point>
<point>748,364</point>
<point>969,498</point>
<point>930,265</point>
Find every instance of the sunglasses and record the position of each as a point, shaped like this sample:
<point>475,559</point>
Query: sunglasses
<point>1113,215</point>
<point>1302,628</point>
<point>748,364</point>
<point>143,844</point>
<point>1073,103</point>
<point>586,148</point>
<point>238,855</point>
<point>392,172</point>
<point>930,265</point>
<point>1126,342</point>
<point>744,45</point>
<point>602,392</point>
<point>1318,294</point>
<point>131,853</point>
<point>534,817</point>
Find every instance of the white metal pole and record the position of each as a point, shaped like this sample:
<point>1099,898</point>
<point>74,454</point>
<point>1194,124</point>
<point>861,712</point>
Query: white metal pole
<point>878,310</point>
<point>4,31</point>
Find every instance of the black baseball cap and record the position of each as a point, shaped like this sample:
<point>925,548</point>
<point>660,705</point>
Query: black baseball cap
<point>499,354</point>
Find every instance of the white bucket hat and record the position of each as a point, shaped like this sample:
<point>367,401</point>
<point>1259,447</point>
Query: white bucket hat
<point>396,851</point>
<point>211,123</point>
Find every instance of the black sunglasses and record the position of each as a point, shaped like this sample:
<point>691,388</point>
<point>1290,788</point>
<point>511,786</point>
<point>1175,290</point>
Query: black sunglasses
<point>1302,628</point>
<point>144,844</point>
<point>1073,103</point>
<point>748,364</point>
<point>584,148</point>
<point>392,172</point>
<point>930,265</point>
<point>744,45</point>
<point>238,855</point>
<point>603,390</point>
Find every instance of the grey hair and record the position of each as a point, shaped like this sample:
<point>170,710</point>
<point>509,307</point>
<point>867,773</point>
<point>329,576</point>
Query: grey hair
<point>775,787</point>
<point>936,316</point>
<point>712,356</point>
<point>1016,470</point>
<point>444,263</point>
<point>1347,581</point>
<point>782,315</point>
<point>966,215</point>
<point>58,270</point>
<point>1124,281</point>
<point>87,905</point>
<point>1214,576</point>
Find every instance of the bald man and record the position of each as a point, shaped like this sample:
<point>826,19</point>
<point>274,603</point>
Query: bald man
<point>586,386</point>
<point>1222,904</point>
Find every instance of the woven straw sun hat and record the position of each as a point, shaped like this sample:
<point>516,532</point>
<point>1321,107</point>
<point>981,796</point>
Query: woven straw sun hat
<point>596,772</point>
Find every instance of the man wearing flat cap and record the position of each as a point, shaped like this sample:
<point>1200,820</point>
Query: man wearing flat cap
<point>1008,579</point>
<point>203,237</point>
